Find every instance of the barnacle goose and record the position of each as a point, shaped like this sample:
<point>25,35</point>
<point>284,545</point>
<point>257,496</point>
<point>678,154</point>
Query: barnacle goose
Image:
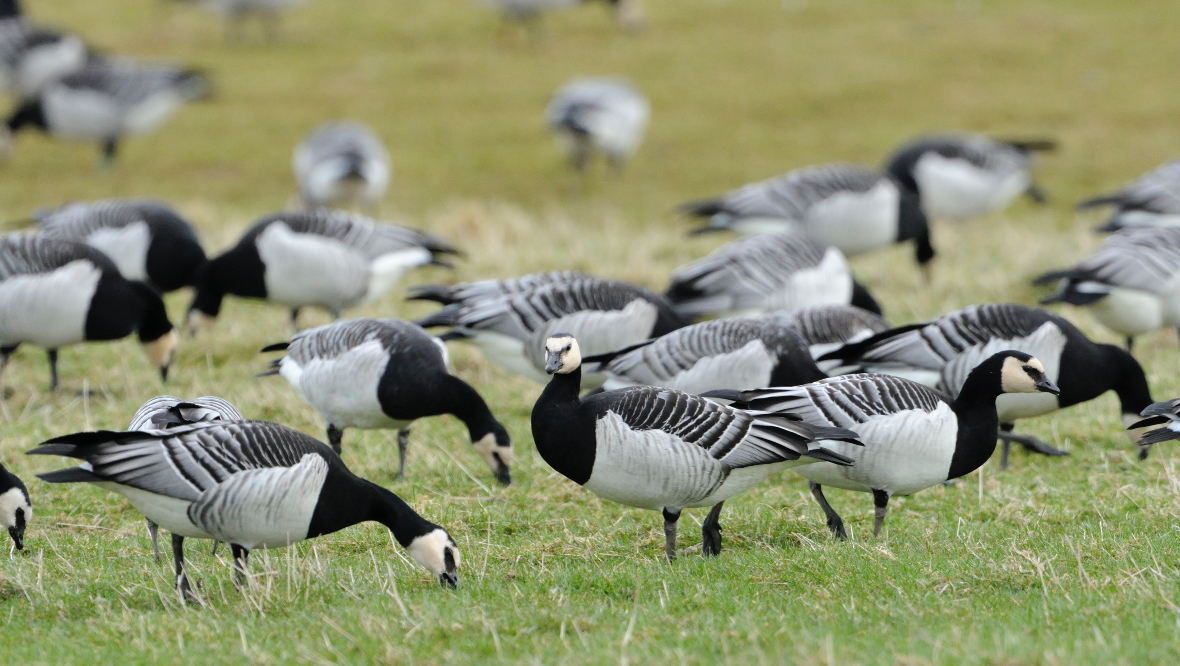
<point>758,274</point>
<point>942,352</point>
<point>914,436</point>
<point>342,163</point>
<point>511,329</point>
<point>251,484</point>
<point>660,449</point>
<point>959,176</point>
<point>16,509</point>
<point>717,354</point>
<point>325,258</point>
<point>628,13</point>
<point>236,11</point>
<point>387,373</point>
<point>828,327</point>
<point>604,115</point>
<point>165,411</point>
<point>851,207</point>
<point>32,56</point>
<point>1167,414</point>
<point>146,238</point>
<point>1153,199</point>
<point>105,101</point>
<point>55,293</point>
<point>1129,283</point>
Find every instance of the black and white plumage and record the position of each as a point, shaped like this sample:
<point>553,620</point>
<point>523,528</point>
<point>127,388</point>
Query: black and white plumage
<point>55,293</point>
<point>828,327</point>
<point>914,436</point>
<point>1131,283</point>
<point>511,329</point>
<point>107,100</point>
<point>464,292</point>
<point>1167,414</point>
<point>959,176</point>
<point>32,56</point>
<point>387,373</point>
<point>16,509</point>
<point>252,484</point>
<point>848,206</point>
<point>598,115</point>
<point>1151,200</point>
<point>628,13</point>
<point>146,238</point>
<point>324,258</point>
<point>664,450</point>
<point>342,163</point>
<point>759,274</point>
<point>942,353</point>
<point>717,354</point>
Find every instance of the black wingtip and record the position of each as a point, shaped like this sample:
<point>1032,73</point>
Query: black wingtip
<point>438,293</point>
<point>1152,421</point>
<point>278,346</point>
<point>1157,436</point>
<point>268,373</point>
<point>71,475</point>
<point>1051,276</point>
<point>722,394</point>
<point>1034,145</point>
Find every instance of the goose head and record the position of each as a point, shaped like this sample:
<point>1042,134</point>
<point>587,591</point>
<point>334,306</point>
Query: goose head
<point>496,450</point>
<point>162,351</point>
<point>437,553</point>
<point>15,512</point>
<point>562,355</point>
<point>1022,373</point>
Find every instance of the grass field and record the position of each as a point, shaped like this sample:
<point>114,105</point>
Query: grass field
<point>1054,561</point>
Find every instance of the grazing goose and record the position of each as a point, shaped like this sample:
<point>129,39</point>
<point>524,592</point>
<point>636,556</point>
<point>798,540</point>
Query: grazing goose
<point>1130,283</point>
<point>914,437</point>
<point>602,115</point>
<point>31,56</point>
<point>251,484</point>
<point>961,176</point>
<point>942,352</point>
<point>145,238</point>
<point>1151,200</point>
<point>55,293</point>
<point>511,329</point>
<point>1165,413</point>
<point>387,373</point>
<point>717,354</point>
<point>16,509</point>
<point>106,101</point>
<point>848,206</point>
<point>342,163</point>
<point>164,412</point>
<point>828,327</point>
<point>465,292</point>
<point>660,449</point>
<point>628,13</point>
<point>759,274</point>
<point>325,258</point>
<point>236,12</point>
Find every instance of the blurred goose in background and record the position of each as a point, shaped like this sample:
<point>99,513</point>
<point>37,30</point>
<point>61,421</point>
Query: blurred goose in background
<point>663,450</point>
<point>387,373</point>
<point>914,437</point>
<point>602,115</point>
<point>1130,283</point>
<point>342,163</point>
<point>628,13</point>
<point>827,327</point>
<point>107,100</point>
<point>959,176</point>
<point>146,238</point>
<point>941,354</point>
<point>511,329</point>
<point>851,207</point>
<point>55,293</point>
<point>235,12</point>
<point>717,354</point>
<point>759,274</point>
<point>30,56</point>
<point>1153,199</point>
<point>324,258</point>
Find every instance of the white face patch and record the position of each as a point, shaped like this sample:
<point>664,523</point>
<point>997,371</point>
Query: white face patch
<point>10,501</point>
<point>162,351</point>
<point>1015,379</point>
<point>486,446</point>
<point>567,348</point>
<point>429,550</point>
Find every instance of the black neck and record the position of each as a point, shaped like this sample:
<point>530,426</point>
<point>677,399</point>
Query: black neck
<point>976,411</point>
<point>796,371</point>
<point>913,225</point>
<point>153,323</point>
<point>346,500</point>
<point>28,113</point>
<point>469,407</point>
<point>1130,382</point>
<point>563,434</point>
<point>393,512</point>
<point>9,9</point>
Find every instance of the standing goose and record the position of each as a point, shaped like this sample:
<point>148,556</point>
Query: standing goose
<point>511,330</point>
<point>914,437</point>
<point>342,163</point>
<point>1153,199</point>
<point>628,13</point>
<point>146,239</point>
<point>659,449</point>
<point>959,176</point>
<point>603,115</point>
<point>828,327</point>
<point>717,354</point>
<point>759,274</point>
<point>106,101</point>
<point>324,258</point>
<point>55,293</point>
<point>387,373</point>
<point>30,56</point>
<point>942,353</point>
<point>848,206</point>
<point>251,484</point>
<point>1130,283</point>
<point>16,509</point>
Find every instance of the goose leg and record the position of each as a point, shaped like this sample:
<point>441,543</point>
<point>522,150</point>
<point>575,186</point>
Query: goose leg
<point>295,320</point>
<point>834,522</point>
<point>335,436</point>
<point>109,148</point>
<point>711,532</point>
<point>240,555</point>
<point>182,579</point>
<point>880,509</point>
<point>5,355</point>
<point>1005,451</point>
<point>403,443</point>
<point>154,532</point>
<point>1030,443</point>
<point>670,534</point>
<point>52,353</point>
<point>1035,193</point>
<point>1130,343</point>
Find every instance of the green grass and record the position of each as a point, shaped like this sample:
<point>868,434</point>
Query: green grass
<point>1055,561</point>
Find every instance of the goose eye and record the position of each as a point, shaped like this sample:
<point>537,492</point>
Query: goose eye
<point>1029,369</point>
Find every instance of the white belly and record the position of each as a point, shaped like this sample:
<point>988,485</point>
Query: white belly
<point>84,115</point>
<point>1012,406</point>
<point>829,283</point>
<point>48,309</point>
<point>856,222</point>
<point>343,389</point>
<point>758,226</point>
<point>1130,311</point>
<point>745,368</point>
<point>167,512</point>
<point>954,189</point>
<point>127,246</point>
<point>306,269</point>
<point>508,353</point>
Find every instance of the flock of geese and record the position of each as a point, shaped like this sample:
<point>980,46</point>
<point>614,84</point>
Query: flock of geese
<point>766,354</point>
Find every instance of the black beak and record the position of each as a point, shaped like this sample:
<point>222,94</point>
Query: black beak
<point>504,476</point>
<point>18,537</point>
<point>449,579</point>
<point>1046,386</point>
<point>553,363</point>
